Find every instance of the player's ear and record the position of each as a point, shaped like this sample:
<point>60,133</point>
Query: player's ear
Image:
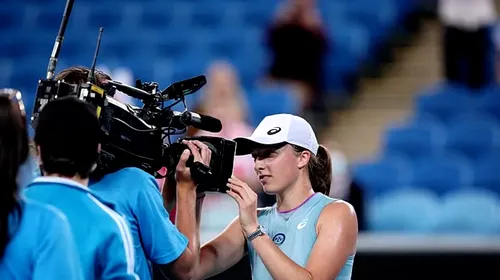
<point>303,159</point>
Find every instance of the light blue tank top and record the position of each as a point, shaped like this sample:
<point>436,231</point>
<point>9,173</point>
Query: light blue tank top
<point>295,234</point>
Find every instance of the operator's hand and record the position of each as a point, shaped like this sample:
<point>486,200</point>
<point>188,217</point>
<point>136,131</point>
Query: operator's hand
<point>200,153</point>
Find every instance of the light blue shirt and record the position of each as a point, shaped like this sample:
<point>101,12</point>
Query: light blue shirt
<point>41,245</point>
<point>295,234</point>
<point>136,195</point>
<point>102,236</point>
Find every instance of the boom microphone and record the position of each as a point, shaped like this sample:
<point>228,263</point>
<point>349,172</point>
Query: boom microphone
<point>200,121</point>
<point>51,69</point>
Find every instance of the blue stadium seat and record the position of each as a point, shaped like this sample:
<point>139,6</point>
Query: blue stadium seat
<point>489,103</point>
<point>158,19</point>
<point>6,68</point>
<point>190,65</point>
<point>268,101</point>
<point>380,176</point>
<point>49,19</point>
<point>349,45</point>
<point>408,210</point>
<point>226,43</point>
<point>176,43</point>
<point>442,173</point>
<point>206,15</point>
<point>380,17</point>
<point>415,140</point>
<point>486,172</point>
<point>250,67</point>
<point>350,42</point>
<point>110,17</point>
<point>470,211</point>
<point>15,48</point>
<point>257,14</point>
<point>445,103</point>
<point>9,20</point>
<point>473,135</point>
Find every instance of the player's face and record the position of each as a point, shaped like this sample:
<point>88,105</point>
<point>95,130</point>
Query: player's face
<point>277,168</point>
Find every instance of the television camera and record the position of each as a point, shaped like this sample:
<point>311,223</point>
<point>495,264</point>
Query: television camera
<point>140,136</point>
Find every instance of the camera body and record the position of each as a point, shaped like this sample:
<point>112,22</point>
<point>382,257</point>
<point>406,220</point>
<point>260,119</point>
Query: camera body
<point>134,137</point>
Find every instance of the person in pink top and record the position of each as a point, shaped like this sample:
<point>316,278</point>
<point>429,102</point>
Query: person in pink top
<point>222,98</point>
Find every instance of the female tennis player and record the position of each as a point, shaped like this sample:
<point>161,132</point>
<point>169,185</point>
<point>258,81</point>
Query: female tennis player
<point>306,234</point>
<point>35,240</point>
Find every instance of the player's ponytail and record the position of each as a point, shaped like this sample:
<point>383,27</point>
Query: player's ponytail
<point>320,169</point>
<point>13,152</point>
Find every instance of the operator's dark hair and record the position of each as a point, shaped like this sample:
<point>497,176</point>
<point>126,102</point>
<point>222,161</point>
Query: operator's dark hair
<point>13,152</point>
<point>79,74</point>
<point>68,134</point>
<point>319,168</point>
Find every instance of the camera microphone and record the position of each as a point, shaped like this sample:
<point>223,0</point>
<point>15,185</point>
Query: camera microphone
<point>133,91</point>
<point>200,121</point>
<point>182,88</point>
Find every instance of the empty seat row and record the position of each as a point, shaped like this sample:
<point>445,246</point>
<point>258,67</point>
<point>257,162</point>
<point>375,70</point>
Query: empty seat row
<point>379,15</point>
<point>413,210</point>
<point>439,174</point>
<point>445,102</point>
<point>473,136</point>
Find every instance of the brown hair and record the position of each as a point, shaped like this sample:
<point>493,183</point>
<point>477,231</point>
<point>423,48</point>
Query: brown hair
<point>13,152</point>
<point>319,168</point>
<point>79,74</point>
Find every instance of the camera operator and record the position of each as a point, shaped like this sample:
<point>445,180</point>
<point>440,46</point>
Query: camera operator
<point>137,196</point>
<point>67,137</point>
<point>31,234</point>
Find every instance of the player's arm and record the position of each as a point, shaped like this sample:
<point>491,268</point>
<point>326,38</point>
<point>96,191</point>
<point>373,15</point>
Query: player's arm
<point>222,252</point>
<point>188,209</point>
<point>117,255</point>
<point>337,234</point>
<point>162,242</point>
<point>56,256</point>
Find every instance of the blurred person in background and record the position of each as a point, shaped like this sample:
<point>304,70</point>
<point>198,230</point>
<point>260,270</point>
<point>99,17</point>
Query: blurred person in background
<point>341,177</point>
<point>466,40</point>
<point>136,195</point>
<point>67,137</point>
<point>343,185</point>
<point>306,234</point>
<point>35,239</point>
<point>223,99</point>
<point>298,46</point>
<point>29,170</point>
<point>496,44</point>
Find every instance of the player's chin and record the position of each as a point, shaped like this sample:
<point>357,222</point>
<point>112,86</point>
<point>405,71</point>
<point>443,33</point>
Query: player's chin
<point>270,189</point>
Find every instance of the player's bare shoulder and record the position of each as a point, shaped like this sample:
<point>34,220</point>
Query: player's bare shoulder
<point>338,211</point>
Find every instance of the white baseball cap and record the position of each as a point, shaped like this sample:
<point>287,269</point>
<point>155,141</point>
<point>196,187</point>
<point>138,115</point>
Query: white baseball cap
<point>277,129</point>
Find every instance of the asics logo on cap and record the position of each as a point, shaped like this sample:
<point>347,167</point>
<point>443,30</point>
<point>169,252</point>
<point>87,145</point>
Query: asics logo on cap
<point>274,130</point>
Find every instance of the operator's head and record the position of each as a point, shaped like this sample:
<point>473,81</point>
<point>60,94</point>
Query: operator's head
<point>79,74</point>
<point>286,152</point>
<point>67,136</point>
